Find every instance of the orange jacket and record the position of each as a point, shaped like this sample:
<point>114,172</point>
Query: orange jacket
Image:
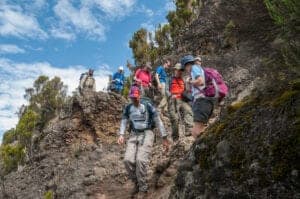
<point>177,87</point>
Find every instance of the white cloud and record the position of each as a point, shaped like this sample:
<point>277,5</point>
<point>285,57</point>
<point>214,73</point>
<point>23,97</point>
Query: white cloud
<point>145,10</point>
<point>63,34</point>
<point>78,20</point>
<point>170,6</point>
<point>88,17</point>
<point>14,22</point>
<point>15,77</point>
<point>116,8</point>
<point>9,48</point>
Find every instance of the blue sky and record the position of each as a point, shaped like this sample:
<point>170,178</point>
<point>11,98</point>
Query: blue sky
<point>64,38</point>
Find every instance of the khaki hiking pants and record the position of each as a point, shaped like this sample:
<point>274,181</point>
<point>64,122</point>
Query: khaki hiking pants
<point>177,107</point>
<point>164,101</point>
<point>137,157</point>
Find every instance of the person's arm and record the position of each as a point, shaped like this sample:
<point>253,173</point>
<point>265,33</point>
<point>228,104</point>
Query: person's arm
<point>158,121</point>
<point>122,79</point>
<point>198,75</point>
<point>158,71</point>
<point>199,81</point>
<point>157,80</point>
<point>125,117</point>
<point>123,126</point>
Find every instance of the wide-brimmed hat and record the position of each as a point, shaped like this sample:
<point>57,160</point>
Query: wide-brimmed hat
<point>186,59</point>
<point>121,68</point>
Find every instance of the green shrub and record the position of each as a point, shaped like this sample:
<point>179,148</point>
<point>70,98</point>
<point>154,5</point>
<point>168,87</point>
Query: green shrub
<point>11,156</point>
<point>9,136</point>
<point>26,126</point>
<point>49,194</point>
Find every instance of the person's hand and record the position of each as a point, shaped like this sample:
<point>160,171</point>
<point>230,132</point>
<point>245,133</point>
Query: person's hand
<point>121,140</point>
<point>166,144</point>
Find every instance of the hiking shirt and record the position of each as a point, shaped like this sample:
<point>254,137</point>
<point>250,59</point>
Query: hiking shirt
<point>197,71</point>
<point>177,87</point>
<point>161,74</point>
<point>140,118</point>
<point>119,80</point>
<point>144,76</point>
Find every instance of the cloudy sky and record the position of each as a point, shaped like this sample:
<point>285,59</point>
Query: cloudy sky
<point>64,38</point>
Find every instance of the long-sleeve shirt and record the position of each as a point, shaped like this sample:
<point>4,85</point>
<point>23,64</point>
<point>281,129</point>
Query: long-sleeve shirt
<point>118,80</point>
<point>141,118</point>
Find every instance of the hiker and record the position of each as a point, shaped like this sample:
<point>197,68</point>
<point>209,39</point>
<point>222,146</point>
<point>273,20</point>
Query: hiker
<point>140,114</point>
<point>202,106</point>
<point>143,78</point>
<point>177,106</point>
<point>198,61</point>
<point>87,82</point>
<point>117,81</point>
<point>161,79</point>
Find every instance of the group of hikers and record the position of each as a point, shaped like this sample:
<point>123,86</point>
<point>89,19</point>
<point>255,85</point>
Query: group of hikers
<point>189,95</point>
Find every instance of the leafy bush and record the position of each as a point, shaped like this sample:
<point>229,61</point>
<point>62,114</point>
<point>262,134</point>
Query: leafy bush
<point>11,156</point>
<point>9,136</point>
<point>26,126</point>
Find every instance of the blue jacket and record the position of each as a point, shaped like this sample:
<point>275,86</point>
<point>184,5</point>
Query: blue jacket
<point>118,80</point>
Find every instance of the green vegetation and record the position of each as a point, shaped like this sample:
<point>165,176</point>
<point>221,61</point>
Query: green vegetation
<point>125,91</point>
<point>139,46</point>
<point>9,136</point>
<point>49,195</point>
<point>26,126</point>
<point>286,14</point>
<point>285,97</point>
<point>11,156</point>
<point>146,48</point>
<point>46,97</point>
<point>182,16</point>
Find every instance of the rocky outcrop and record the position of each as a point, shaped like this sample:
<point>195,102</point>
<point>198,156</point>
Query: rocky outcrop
<point>250,153</point>
<point>76,156</point>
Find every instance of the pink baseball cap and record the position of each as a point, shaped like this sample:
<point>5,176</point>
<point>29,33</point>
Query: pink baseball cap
<point>134,92</point>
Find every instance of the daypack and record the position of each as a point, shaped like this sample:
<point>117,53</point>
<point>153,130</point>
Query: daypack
<point>148,103</point>
<point>215,85</point>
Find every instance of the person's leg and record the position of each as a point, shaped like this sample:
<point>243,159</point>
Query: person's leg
<point>142,158</point>
<point>163,103</point>
<point>187,116</point>
<point>173,119</point>
<point>198,129</point>
<point>130,158</point>
<point>202,110</point>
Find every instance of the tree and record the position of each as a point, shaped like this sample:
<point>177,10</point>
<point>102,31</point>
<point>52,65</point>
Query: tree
<point>140,46</point>
<point>46,98</point>
<point>9,136</point>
